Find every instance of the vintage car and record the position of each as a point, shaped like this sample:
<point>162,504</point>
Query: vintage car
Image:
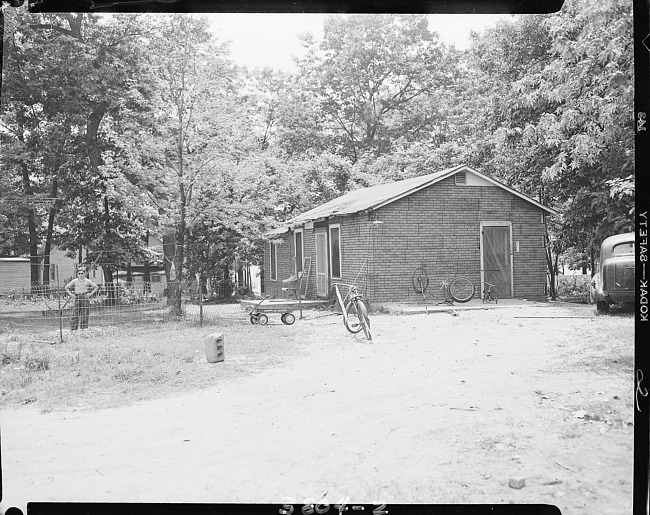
<point>614,282</point>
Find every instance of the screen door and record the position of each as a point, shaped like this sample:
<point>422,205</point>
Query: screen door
<point>321,264</point>
<point>497,259</point>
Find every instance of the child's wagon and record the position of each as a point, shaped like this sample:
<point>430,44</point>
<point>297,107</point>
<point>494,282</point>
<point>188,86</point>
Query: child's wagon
<point>258,314</point>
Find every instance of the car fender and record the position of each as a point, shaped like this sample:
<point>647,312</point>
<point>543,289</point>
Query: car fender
<point>596,289</point>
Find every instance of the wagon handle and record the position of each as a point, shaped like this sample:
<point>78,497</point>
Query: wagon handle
<point>258,304</point>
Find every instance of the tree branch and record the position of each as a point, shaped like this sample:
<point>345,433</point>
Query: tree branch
<point>53,27</point>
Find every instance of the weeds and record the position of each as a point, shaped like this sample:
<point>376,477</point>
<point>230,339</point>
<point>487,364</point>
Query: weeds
<point>113,366</point>
<point>25,356</point>
<point>574,287</point>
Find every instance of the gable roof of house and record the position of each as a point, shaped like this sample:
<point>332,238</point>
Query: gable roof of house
<point>374,197</point>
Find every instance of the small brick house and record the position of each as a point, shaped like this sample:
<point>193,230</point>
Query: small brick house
<point>453,222</point>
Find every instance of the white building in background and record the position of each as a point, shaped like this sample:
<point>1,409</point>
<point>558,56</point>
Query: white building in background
<point>256,282</point>
<point>63,268</point>
<point>15,276</point>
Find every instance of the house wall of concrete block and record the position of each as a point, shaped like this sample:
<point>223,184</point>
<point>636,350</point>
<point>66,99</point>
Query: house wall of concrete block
<point>437,228</point>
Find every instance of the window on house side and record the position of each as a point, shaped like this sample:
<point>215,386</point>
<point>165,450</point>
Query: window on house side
<point>274,262</point>
<point>335,251</point>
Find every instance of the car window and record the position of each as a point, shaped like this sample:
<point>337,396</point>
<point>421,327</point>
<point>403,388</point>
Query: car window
<point>624,248</point>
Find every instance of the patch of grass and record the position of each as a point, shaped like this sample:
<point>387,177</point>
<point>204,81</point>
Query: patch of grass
<point>115,366</point>
<point>25,356</point>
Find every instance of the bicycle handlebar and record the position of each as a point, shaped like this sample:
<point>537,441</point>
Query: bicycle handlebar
<point>350,293</point>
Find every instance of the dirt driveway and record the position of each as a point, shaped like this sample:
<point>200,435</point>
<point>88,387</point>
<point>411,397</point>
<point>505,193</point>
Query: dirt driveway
<point>440,408</point>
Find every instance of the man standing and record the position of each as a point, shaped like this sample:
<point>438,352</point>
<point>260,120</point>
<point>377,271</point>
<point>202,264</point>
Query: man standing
<point>83,289</point>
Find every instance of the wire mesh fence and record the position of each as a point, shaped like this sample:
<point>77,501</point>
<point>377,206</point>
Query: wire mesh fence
<point>52,309</point>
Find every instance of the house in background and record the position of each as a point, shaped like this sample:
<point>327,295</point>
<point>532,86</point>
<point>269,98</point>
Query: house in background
<point>15,271</point>
<point>157,282</point>
<point>453,222</point>
<point>157,277</point>
<point>15,276</point>
<point>63,267</point>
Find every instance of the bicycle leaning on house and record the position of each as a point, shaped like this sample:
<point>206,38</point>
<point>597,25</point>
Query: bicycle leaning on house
<point>460,289</point>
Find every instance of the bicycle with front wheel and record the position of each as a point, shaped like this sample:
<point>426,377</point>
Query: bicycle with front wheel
<point>355,310</point>
<point>489,293</point>
<point>460,289</point>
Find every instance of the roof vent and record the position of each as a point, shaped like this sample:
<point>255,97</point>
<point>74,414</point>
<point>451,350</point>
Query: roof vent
<point>460,178</point>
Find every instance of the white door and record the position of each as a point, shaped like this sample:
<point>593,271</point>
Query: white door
<point>321,264</point>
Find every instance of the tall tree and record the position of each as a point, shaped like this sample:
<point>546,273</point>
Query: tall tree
<point>365,73</point>
<point>557,118</point>
<point>197,117</point>
<point>67,74</point>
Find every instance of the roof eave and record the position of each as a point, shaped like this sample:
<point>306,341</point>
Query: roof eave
<point>414,189</point>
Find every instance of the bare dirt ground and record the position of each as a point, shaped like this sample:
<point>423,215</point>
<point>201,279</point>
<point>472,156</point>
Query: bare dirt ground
<point>440,408</point>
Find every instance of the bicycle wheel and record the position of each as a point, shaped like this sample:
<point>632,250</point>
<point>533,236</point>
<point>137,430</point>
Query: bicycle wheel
<point>364,318</point>
<point>352,319</point>
<point>461,289</point>
<point>420,280</point>
<point>358,318</point>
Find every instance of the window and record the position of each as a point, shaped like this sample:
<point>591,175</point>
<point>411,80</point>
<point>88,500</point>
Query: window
<point>156,279</point>
<point>274,261</point>
<point>299,253</point>
<point>460,178</point>
<point>624,248</point>
<point>335,251</point>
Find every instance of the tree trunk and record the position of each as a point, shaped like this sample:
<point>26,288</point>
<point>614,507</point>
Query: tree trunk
<point>555,274</point>
<point>173,290</point>
<point>48,236</point>
<point>176,299</point>
<point>92,126</point>
<point>46,264</point>
<point>146,278</point>
<point>111,287</point>
<point>552,268</point>
<point>31,227</point>
<point>226,287</point>
<point>179,252</point>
